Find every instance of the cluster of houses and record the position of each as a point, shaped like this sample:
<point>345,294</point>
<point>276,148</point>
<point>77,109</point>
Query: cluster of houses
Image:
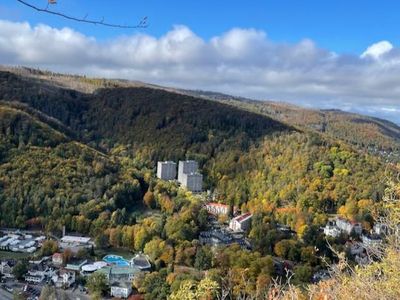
<point>218,234</point>
<point>19,242</point>
<point>366,242</point>
<point>188,174</point>
<point>62,274</point>
<point>54,270</point>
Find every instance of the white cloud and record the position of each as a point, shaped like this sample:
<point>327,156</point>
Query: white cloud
<point>241,62</point>
<point>377,50</point>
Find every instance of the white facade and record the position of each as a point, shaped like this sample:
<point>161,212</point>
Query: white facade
<point>121,290</point>
<point>166,170</point>
<point>6,269</point>
<point>34,278</point>
<point>217,208</point>
<point>241,223</point>
<point>193,182</point>
<point>332,231</point>
<point>64,279</point>
<point>186,167</point>
<point>57,259</point>
<point>75,239</point>
<point>348,227</point>
<point>380,229</point>
<point>371,241</point>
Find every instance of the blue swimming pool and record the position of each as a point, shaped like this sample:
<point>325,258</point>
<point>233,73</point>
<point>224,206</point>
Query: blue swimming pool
<point>116,260</point>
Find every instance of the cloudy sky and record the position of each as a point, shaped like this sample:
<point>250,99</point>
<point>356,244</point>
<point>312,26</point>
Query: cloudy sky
<point>253,53</point>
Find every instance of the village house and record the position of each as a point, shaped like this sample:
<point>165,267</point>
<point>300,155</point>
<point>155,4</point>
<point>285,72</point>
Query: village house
<point>331,230</point>
<point>57,259</point>
<point>380,229</point>
<point>241,223</point>
<point>38,273</point>
<point>217,208</point>
<point>348,227</point>
<point>371,240</point>
<point>121,289</point>
<point>64,279</point>
<point>6,268</point>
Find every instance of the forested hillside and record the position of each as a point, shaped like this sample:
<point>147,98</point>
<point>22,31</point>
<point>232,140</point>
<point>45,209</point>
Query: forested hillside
<point>46,178</point>
<point>364,132</point>
<point>247,157</point>
<point>86,160</point>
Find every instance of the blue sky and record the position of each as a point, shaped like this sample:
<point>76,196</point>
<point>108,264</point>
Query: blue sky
<point>338,25</point>
<point>308,52</point>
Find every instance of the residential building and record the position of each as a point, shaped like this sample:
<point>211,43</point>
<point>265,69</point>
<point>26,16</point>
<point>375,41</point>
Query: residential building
<point>57,259</point>
<point>241,223</point>
<point>348,226</point>
<point>371,240</point>
<point>217,208</point>
<point>193,182</point>
<point>121,289</point>
<point>186,167</point>
<point>380,229</point>
<point>64,279</point>
<point>331,230</point>
<point>166,170</point>
<point>6,268</point>
<point>34,278</point>
<point>38,272</point>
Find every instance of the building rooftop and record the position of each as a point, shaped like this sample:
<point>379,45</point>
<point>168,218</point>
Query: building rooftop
<point>243,217</point>
<point>75,239</point>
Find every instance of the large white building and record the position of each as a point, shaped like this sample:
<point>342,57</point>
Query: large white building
<point>186,167</point>
<point>121,289</point>
<point>348,227</point>
<point>166,170</point>
<point>241,223</point>
<point>217,208</point>
<point>193,182</point>
<point>331,230</point>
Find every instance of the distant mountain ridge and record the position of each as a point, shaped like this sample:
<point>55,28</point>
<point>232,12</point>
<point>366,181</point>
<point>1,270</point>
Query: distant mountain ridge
<point>369,133</point>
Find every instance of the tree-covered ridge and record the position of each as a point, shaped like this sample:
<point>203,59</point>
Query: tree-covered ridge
<point>174,124</point>
<point>47,179</point>
<point>362,131</point>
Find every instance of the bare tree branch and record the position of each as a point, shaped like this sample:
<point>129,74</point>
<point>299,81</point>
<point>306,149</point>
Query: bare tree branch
<point>142,24</point>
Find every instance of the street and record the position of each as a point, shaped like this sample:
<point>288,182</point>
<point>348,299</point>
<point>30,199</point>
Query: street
<point>5,295</point>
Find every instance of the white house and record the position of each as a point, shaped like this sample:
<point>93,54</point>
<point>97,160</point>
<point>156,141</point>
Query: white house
<point>64,279</point>
<point>241,223</point>
<point>217,208</point>
<point>330,230</point>
<point>371,240</point>
<point>380,229</point>
<point>57,259</point>
<point>121,289</point>
<point>6,268</point>
<point>37,273</point>
<point>348,227</point>
<point>34,278</point>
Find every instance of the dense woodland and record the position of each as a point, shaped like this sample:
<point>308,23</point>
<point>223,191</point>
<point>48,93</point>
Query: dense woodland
<point>87,161</point>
